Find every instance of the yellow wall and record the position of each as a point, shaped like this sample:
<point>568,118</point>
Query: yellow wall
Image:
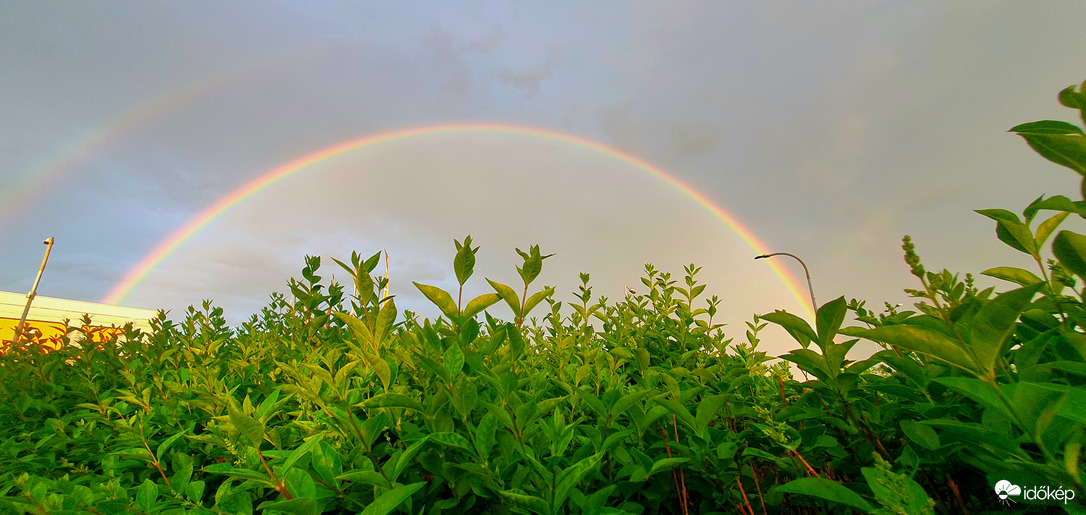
<point>47,315</point>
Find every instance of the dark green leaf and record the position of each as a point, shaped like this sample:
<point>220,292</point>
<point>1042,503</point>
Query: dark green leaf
<point>825,489</point>
<point>392,499</point>
<point>1070,248</point>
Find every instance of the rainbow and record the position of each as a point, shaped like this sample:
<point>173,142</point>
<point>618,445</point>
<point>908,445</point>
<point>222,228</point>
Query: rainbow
<point>235,197</point>
<point>28,188</point>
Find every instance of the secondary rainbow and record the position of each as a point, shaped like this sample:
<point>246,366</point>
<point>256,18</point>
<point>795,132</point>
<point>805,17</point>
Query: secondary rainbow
<point>224,204</point>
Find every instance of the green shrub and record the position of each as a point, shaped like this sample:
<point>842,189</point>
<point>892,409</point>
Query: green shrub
<point>331,402</point>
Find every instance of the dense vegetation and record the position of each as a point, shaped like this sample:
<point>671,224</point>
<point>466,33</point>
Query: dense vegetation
<point>332,402</point>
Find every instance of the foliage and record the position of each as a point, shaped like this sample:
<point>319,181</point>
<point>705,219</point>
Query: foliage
<point>330,402</point>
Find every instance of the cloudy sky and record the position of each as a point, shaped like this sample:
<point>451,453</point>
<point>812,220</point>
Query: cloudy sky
<point>827,129</point>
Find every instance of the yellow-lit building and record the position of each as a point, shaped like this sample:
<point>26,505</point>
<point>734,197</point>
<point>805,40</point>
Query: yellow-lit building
<point>45,322</point>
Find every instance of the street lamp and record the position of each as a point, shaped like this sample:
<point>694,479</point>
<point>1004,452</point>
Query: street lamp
<point>33,291</point>
<point>809,287</point>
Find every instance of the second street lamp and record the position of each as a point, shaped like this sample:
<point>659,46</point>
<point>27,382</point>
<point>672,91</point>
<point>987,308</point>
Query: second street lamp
<point>805,272</point>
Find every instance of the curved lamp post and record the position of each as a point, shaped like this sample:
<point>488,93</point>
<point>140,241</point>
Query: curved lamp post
<point>809,287</point>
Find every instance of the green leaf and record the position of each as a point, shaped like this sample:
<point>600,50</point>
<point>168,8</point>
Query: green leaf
<point>453,440</point>
<point>164,446</point>
<point>1047,127</point>
<point>1045,229</point>
<point>229,470</point>
<point>1070,248</point>
<point>391,499</point>
<point>484,435</point>
<point>524,501</point>
<point>300,506</point>
<point>679,410</point>
<point>326,462</point>
<point>246,425</point>
<point>368,477</point>
<point>386,318</point>
<point>925,341</point>
<point>994,323</point>
<point>825,489</point>
<point>535,299</point>
<point>405,459</point>
<point>508,295</point>
<point>796,326</point>
<point>195,491</point>
<point>1011,230</point>
<point>464,262</point>
<point>299,483</point>
<point>147,495</point>
<point>296,454</point>
<point>453,360</point>
<point>708,409</point>
<point>810,361</point>
<point>571,477</point>
<point>1063,149</point>
<point>392,400</point>
<point>1013,274</point>
<point>979,391</point>
<point>440,298</point>
<point>358,328</point>
<point>921,434</point>
<point>478,304</point>
<point>829,319</point>
<point>626,402</point>
<point>1075,100</point>
<point>665,464</point>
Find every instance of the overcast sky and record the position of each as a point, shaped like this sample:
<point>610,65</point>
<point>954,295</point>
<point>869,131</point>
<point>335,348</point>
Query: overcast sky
<point>828,129</point>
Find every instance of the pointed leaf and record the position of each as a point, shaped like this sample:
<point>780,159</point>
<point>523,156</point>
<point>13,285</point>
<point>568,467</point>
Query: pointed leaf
<point>829,319</point>
<point>994,323</point>
<point>536,299</point>
<point>392,400</point>
<point>508,295</point>
<point>1045,229</point>
<point>453,360</point>
<point>1047,127</point>
<point>392,499</point>
<point>440,298</point>
<point>246,425</point>
<point>480,303</point>
<point>386,318</point>
<point>796,326</point>
<point>1070,248</point>
<point>1013,274</point>
<point>572,476</point>
<point>825,489</point>
<point>925,341</point>
<point>1066,150</point>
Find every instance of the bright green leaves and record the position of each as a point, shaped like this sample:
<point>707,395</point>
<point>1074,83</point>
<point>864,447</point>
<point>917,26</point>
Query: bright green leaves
<point>533,265</point>
<point>464,262</point>
<point>1059,142</point>
<point>1011,230</point>
<point>246,425</point>
<point>360,270</point>
<point>478,304</point>
<point>392,499</point>
<point>440,298</point>
<point>1070,248</point>
<point>508,295</point>
<point>983,344</point>
<point>372,338</point>
<point>463,266</point>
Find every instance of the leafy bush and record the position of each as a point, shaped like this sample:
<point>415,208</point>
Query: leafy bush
<point>340,403</point>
